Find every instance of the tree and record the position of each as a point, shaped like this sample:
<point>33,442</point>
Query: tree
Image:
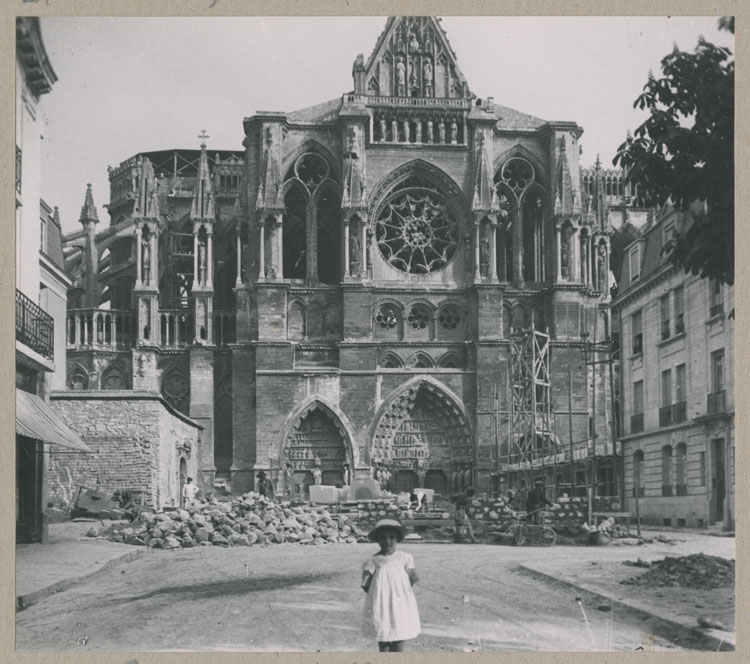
<point>684,153</point>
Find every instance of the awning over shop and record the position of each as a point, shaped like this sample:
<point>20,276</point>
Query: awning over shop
<point>35,419</point>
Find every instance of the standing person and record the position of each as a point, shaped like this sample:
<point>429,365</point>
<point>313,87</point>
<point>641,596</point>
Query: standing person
<point>265,486</point>
<point>391,615</point>
<point>462,502</point>
<point>317,475</point>
<point>347,475</point>
<point>288,480</point>
<point>536,500</point>
<point>189,493</point>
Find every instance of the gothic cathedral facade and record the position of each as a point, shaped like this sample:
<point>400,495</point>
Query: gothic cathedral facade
<point>346,288</point>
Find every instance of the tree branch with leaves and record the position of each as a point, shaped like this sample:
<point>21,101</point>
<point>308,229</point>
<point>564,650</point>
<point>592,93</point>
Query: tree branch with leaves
<point>683,153</point>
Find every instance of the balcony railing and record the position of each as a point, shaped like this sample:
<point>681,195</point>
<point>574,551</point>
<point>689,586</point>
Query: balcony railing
<point>19,163</point>
<point>681,489</point>
<point>666,490</point>
<point>111,329</point>
<point>34,326</point>
<point>717,309</point>
<point>673,414</point>
<point>717,402</point>
<point>176,327</point>
<point>641,492</point>
<point>636,423</point>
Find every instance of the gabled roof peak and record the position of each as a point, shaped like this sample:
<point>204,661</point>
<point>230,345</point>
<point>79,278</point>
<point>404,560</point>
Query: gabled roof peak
<point>412,58</point>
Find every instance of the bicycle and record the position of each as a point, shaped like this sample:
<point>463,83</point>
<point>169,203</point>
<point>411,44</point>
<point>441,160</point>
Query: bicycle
<point>521,531</point>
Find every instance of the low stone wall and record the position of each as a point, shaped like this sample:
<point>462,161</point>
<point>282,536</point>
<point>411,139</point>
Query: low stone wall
<point>138,442</point>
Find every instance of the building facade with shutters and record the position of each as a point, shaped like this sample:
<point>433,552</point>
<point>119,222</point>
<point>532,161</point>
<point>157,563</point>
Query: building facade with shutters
<point>41,294</point>
<point>345,287</point>
<point>677,369</point>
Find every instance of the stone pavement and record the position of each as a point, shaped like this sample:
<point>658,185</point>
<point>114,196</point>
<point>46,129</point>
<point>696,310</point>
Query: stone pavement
<point>667,610</point>
<point>67,557</point>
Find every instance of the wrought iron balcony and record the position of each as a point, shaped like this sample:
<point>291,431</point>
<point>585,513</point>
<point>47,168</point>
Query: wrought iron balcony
<point>636,423</point>
<point>681,489</point>
<point>673,414</point>
<point>717,402</point>
<point>19,163</point>
<point>34,326</point>
<point>666,490</point>
<point>717,309</point>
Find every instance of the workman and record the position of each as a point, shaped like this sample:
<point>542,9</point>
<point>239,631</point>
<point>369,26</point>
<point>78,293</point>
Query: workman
<point>536,500</point>
<point>462,502</point>
<point>189,492</point>
<point>265,486</point>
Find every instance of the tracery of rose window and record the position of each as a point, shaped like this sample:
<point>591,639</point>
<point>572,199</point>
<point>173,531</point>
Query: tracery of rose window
<point>416,232</point>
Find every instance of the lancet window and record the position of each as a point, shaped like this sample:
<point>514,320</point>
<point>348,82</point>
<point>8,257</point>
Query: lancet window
<point>311,222</point>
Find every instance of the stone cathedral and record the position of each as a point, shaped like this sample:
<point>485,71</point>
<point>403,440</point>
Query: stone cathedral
<point>344,287</point>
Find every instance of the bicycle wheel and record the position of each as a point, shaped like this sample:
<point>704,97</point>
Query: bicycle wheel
<point>518,536</point>
<point>549,536</point>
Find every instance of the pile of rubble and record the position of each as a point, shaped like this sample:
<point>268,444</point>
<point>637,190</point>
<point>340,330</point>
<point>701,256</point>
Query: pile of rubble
<point>694,571</point>
<point>251,519</point>
<point>372,510</point>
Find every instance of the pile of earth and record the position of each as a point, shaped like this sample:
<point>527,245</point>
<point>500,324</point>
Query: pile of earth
<point>251,519</point>
<point>695,571</point>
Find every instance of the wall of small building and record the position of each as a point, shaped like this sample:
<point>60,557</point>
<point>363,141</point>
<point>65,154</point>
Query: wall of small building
<point>135,440</point>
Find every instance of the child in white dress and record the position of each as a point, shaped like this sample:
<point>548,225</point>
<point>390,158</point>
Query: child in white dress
<point>391,615</point>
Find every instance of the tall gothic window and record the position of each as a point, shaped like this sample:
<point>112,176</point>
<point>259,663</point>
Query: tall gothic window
<point>311,226</point>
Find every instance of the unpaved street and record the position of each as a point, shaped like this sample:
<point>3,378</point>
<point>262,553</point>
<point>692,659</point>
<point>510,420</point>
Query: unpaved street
<point>303,598</point>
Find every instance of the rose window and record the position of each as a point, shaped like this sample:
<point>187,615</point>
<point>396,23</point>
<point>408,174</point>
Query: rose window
<point>419,317</point>
<point>416,232</point>
<point>450,317</point>
<point>387,317</point>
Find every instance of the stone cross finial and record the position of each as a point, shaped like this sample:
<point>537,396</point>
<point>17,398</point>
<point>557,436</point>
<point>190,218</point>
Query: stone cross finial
<point>203,136</point>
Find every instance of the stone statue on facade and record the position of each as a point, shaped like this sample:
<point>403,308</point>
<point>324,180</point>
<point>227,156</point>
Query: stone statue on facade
<point>400,77</point>
<point>418,135</point>
<point>354,250</point>
<point>454,131</point>
<point>602,268</point>
<point>441,130</point>
<point>146,260</point>
<point>565,253</point>
<point>394,131</point>
<point>427,78</point>
<point>429,130</point>
<point>484,252</point>
<point>382,129</point>
<point>201,263</point>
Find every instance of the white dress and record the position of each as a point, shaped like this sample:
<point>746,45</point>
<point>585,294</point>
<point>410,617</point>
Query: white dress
<point>391,612</point>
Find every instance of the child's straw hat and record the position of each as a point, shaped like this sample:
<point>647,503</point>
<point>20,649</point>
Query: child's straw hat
<point>386,523</point>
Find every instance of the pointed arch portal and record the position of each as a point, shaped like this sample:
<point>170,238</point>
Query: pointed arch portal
<point>423,435</point>
<point>317,433</point>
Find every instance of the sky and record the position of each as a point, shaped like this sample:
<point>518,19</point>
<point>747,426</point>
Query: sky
<point>127,85</point>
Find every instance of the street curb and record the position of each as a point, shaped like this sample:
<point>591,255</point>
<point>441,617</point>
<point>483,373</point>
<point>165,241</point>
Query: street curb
<point>715,640</point>
<point>24,601</point>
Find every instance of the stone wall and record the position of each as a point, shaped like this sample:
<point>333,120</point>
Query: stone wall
<point>137,443</point>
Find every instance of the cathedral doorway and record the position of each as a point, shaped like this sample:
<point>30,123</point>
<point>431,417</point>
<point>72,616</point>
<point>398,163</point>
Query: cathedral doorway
<point>316,438</point>
<point>423,436</point>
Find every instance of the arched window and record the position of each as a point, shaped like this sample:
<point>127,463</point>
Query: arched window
<point>681,469</point>
<point>420,319</point>
<point>638,474</point>
<point>666,470</point>
<point>391,361</point>
<point>450,361</point>
<point>388,323</point>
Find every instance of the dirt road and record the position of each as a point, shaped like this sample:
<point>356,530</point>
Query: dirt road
<point>302,598</point>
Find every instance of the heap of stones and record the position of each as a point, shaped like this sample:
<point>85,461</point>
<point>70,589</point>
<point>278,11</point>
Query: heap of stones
<point>695,571</point>
<point>251,519</point>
